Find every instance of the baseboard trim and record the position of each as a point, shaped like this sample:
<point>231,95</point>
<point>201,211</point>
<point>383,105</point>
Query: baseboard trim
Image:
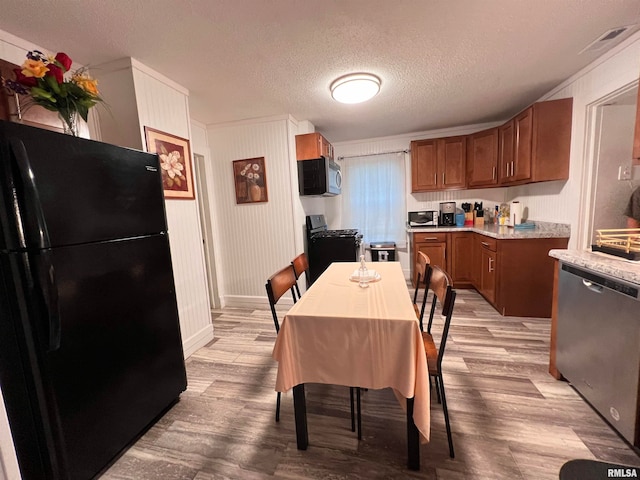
<point>198,340</point>
<point>246,301</point>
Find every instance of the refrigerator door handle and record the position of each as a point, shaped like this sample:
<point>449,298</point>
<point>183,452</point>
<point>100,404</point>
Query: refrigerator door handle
<point>49,288</point>
<point>33,234</point>
<point>33,227</point>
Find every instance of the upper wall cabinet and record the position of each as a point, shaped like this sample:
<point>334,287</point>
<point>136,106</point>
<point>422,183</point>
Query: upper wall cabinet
<point>535,145</point>
<point>482,159</point>
<point>312,145</point>
<point>636,138</point>
<point>438,164</point>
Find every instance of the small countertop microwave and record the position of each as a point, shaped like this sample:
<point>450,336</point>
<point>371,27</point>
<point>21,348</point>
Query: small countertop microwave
<point>424,218</point>
<point>320,176</point>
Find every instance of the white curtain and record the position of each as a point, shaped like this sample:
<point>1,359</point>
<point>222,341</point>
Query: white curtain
<point>373,197</point>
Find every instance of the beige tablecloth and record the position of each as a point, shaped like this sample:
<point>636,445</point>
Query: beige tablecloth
<point>341,334</point>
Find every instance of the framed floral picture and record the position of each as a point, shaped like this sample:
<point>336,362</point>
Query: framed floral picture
<point>250,179</point>
<point>175,163</point>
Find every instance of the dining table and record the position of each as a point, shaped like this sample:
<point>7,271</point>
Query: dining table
<point>342,333</point>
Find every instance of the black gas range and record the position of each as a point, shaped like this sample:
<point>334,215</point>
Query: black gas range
<point>325,246</point>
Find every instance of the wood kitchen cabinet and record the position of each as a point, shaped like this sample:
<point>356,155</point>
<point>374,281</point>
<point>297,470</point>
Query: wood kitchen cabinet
<point>535,145</point>
<point>310,146</point>
<point>506,144</point>
<point>515,161</point>
<point>636,137</point>
<point>438,164</point>
<point>482,158</point>
<point>486,276</point>
<point>434,245</point>
<point>461,259</point>
<point>514,275</point>
<point>523,276</point>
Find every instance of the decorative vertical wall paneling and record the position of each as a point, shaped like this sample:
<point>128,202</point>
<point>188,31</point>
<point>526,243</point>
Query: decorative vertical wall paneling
<point>298,208</point>
<point>258,238</point>
<point>161,104</point>
<point>570,204</point>
<point>200,145</point>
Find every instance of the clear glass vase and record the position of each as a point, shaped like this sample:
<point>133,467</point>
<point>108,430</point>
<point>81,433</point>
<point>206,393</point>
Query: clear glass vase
<point>70,122</point>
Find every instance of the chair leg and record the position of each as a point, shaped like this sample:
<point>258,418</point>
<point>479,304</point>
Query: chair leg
<point>353,417</point>
<point>359,414</point>
<point>435,379</point>
<point>278,408</point>
<point>446,417</point>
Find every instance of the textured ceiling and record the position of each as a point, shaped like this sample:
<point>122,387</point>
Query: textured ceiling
<point>442,62</point>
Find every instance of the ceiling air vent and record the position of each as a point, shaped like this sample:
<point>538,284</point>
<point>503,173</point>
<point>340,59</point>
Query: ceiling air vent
<point>606,40</point>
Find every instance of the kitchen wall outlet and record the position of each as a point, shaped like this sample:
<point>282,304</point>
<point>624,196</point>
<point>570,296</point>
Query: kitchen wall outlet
<point>624,172</point>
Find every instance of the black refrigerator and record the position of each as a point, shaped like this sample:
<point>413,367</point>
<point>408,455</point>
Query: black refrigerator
<point>90,346</point>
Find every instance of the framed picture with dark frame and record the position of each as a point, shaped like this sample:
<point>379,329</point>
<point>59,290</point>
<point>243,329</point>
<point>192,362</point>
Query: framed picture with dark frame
<point>175,163</point>
<point>250,179</point>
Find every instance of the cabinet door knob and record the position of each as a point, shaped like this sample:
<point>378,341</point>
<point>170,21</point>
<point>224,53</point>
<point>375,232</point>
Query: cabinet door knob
<point>430,238</point>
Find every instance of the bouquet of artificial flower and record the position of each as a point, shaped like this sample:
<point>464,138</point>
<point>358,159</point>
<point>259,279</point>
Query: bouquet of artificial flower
<point>42,78</point>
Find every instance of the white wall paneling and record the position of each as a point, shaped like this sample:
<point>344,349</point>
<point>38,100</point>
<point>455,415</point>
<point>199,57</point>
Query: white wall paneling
<point>163,105</point>
<point>568,203</point>
<point>257,238</point>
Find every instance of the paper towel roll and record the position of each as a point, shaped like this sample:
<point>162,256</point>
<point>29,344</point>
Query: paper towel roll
<point>515,211</point>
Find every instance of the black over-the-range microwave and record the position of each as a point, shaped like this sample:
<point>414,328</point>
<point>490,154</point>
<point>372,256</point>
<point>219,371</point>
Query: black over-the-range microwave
<point>320,176</point>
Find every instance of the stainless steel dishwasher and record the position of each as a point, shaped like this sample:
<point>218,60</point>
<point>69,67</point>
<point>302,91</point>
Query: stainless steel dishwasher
<point>598,344</point>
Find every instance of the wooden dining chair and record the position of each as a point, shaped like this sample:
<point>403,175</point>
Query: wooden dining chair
<point>277,285</point>
<point>300,265</point>
<point>421,279</point>
<point>440,285</point>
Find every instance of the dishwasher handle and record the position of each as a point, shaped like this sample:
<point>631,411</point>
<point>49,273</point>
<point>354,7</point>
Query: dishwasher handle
<point>594,287</point>
<point>598,283</point>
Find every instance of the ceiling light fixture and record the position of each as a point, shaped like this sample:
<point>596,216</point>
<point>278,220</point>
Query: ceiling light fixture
<point>355,88</point>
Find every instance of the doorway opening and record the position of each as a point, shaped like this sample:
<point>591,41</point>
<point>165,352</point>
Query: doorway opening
<point>611,177</point>
<point>207,230</point>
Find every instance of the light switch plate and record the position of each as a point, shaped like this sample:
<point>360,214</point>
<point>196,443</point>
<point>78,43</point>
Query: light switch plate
<point>624,172</point>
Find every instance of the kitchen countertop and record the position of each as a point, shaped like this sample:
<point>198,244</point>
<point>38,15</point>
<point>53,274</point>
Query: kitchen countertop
<point>502,232</point>
<point>601,263</point>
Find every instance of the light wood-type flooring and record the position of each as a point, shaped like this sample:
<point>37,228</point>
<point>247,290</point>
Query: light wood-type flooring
<point>510,419</point>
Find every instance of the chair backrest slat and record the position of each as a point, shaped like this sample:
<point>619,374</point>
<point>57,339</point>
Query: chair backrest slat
<point>277,285</point>
<point>440,284</point>
<point>422,267</point>
<point>300,265</point>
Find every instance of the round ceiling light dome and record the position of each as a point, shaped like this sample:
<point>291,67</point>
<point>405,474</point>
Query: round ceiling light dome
<point>355,88</point>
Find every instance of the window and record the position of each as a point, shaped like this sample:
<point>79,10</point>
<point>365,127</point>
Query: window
<point>373,197</point>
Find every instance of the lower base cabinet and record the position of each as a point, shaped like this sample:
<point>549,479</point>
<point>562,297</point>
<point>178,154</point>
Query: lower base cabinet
<point>525,276</point>
<point>486,277</point>
<point>514,275</point>
<point>462,259</point>
<point>433,245</point>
